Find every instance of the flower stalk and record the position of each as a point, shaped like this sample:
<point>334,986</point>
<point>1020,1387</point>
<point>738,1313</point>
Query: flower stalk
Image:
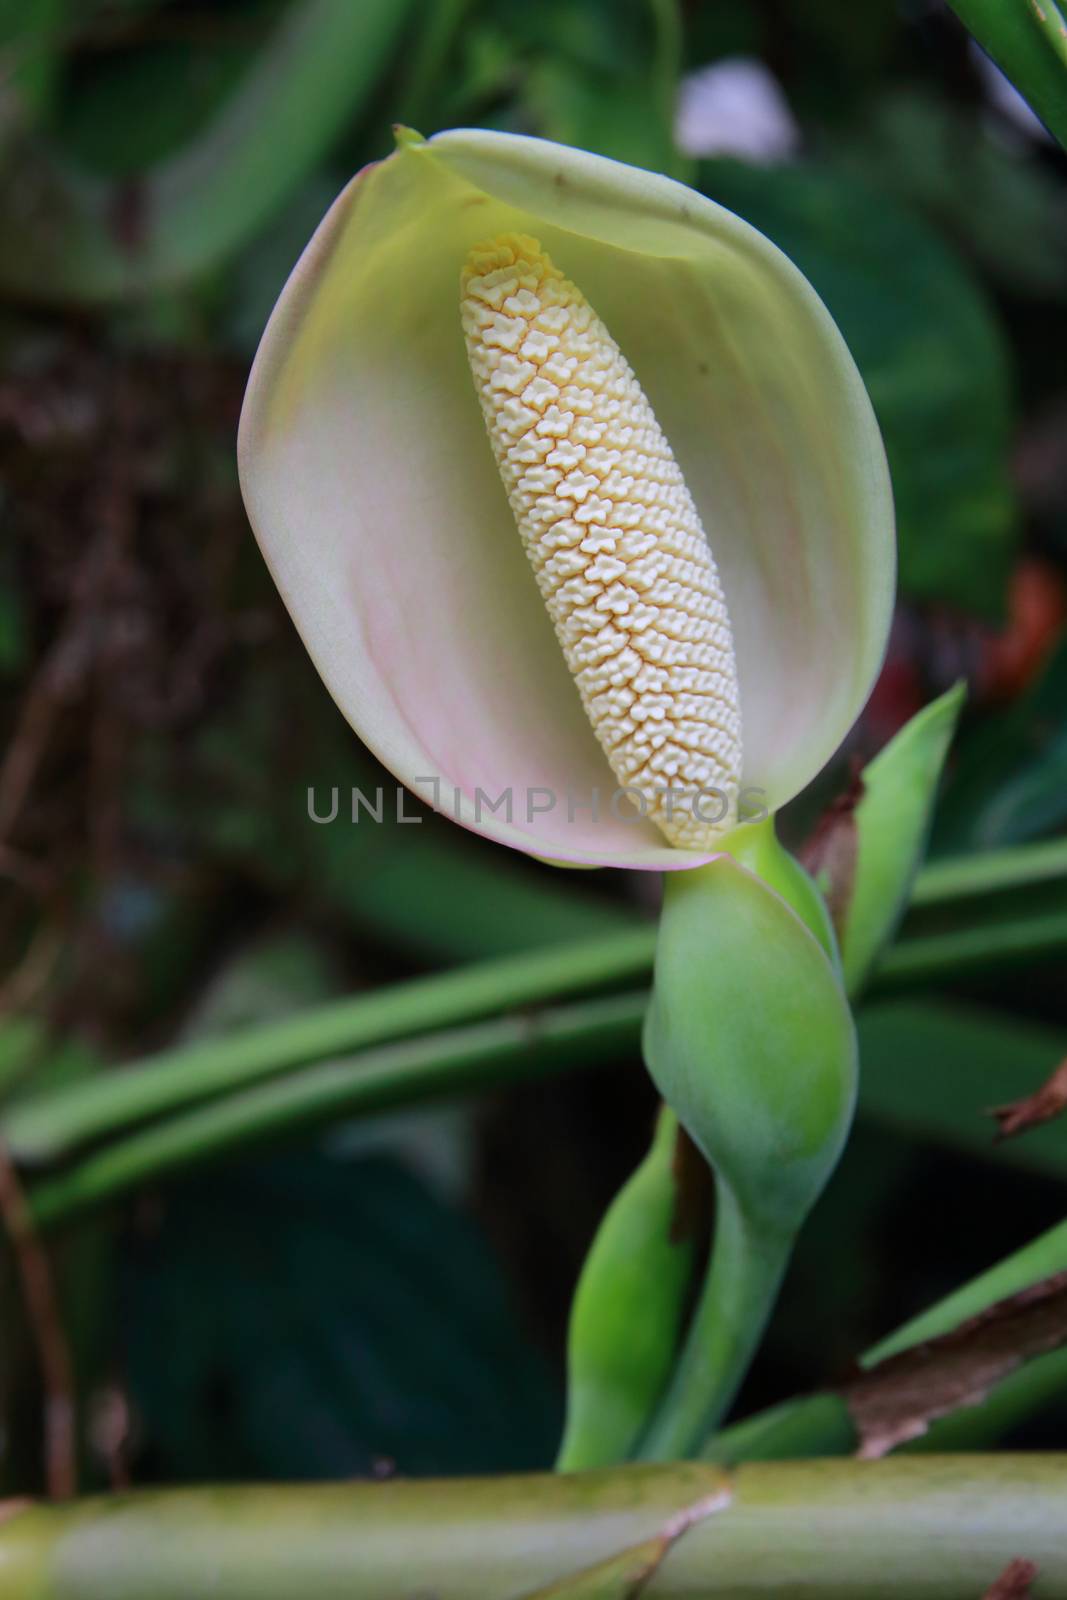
<point>750,1040</point>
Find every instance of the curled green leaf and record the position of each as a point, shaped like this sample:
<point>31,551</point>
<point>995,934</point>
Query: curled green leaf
<point>627,1313</point>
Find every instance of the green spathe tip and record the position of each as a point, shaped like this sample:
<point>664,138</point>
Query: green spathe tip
<point>407,138</point>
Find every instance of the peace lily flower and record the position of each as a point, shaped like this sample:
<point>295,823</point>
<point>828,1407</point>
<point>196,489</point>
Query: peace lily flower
<point>575,495</point>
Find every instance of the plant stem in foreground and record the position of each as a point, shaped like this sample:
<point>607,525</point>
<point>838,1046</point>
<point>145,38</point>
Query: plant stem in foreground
<point>930,1528</point>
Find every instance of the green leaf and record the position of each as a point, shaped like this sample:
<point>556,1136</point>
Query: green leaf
<point>1002,209</point>
<point>320,1317</point>
<point>31,33</point>
<point>892,820</point>
<point>932,356</point>
<point>125,110</point>
<point>616,96</point>
<point>70,236</point>
<point>1028,39</point>
<point>950,879</point>
<point>1009,781</point>
<point>933,1071</point>
<point>461,1060</point>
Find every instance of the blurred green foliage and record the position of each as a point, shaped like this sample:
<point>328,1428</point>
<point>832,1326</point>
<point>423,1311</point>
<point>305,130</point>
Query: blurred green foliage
<point>933,357</point>
<point>1010,783</point>
<point>162,163</point>
<point>296,1301</point>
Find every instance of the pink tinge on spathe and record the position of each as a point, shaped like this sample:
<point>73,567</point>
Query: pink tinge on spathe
<point>381,513</point>
<point>412,592</point>
<point>517,747</point>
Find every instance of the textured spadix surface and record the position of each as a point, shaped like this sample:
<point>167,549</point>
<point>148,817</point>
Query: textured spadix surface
<point>613,536</point>
<point>386,524</point>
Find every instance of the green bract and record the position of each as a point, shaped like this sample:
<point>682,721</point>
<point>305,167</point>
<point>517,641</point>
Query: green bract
<point>750,1039</point>
<point>892,819</point>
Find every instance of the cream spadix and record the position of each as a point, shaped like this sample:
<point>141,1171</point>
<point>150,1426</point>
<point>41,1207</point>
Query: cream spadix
<point>613,536</point>
<point>386,521</point>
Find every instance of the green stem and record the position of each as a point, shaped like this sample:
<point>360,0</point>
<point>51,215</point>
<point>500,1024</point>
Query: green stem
<point>820,1425</point>
<point>209,1113</point>
<point>932,1527</point>
<point>52,1126</point>
<point>49,1126</point>
<point>963,952</point>
<point>987,872</point>
<point>738,1293</point>
<point>463,1060</point>
<point>668,53</point>
<point>747,1261</point>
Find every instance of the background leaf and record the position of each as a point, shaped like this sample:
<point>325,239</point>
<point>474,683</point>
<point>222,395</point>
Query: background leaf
<point>930,353</point>
<point>323,1317</point>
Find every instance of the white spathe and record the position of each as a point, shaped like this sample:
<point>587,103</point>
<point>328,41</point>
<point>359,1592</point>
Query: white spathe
<point>379,508</point>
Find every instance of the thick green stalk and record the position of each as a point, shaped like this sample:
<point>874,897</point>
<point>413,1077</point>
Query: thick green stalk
<point>929,1528</point>
<point>739,1291</point>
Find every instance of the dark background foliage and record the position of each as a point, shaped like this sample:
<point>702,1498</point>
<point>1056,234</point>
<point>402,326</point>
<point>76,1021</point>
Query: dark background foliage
<point>396,1291</point>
